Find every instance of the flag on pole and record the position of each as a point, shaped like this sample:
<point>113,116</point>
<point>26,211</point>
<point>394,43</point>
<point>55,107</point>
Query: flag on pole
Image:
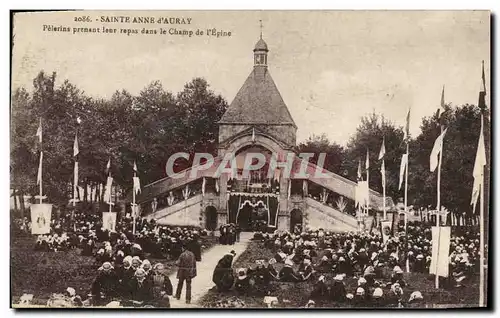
<point>39,131</point>
<point>108,165</point>
<point>402,169</point>
<point>367,165</point>
<point>478,172</point>
<point>381,154</point>
<point>135,167</point>
<point>39,176</point>
<point>75,147</point>
<point>137,185</point>
<point>75,177</point>
<point>107,191</point>
<point>40,218</point>
<point>436,150</point>
<point>407,127</point>
<point>441,108</point>
<point>482,92</point>
<point>441,236</point>
<point>359,171</point>
<point>217,185</point>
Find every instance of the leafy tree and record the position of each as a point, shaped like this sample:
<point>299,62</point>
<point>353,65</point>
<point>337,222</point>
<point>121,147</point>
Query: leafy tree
<point>334,153</point>
<point>369,135</point>
<point>459,151</point>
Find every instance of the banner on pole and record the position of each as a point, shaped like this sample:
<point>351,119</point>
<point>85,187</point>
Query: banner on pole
<point>40,218</point>
<point>386,230</point>
<point>109,221</point>
<point>440,250</point>
<point>107,191</point>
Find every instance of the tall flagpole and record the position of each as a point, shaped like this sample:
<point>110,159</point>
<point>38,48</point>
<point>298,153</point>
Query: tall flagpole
<point>133,201</point>
<point>75,179</point>
<point>438,208</point>
<point>41,174</point>
<point>367,181</point>
<point>481,232</point>
<point>406,200</point>
<point>383,190</point>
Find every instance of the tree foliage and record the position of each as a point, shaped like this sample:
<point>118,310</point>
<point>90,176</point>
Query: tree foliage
<point>146,128</point>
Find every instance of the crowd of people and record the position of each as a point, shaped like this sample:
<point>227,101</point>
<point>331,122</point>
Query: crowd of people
<point>327,260</point>
<point>229,234</point>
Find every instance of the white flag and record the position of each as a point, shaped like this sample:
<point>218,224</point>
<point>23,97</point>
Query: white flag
<point>137,185</point>
<point>75,176</point>
<point>367,159</point>
<point>386,230</point>
<point>440,256</point>
<point>108,165</point>
<point>40,218</point>
<point>75,147</point>
<point>107,191</point>
<point>135,167</point>
<point>81,192</point>
<point>109,221</point>
<point>39,176</point>
<point>382,171</point>
<point>39,131</point>
<point>478,172</point>
<point>402,168</point>
<point>436,150</point>
<point>217,185</point>
<point>381,154</point>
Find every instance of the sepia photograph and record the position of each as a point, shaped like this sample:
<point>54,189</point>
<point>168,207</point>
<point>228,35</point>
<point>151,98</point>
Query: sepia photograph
<point>250,159</point>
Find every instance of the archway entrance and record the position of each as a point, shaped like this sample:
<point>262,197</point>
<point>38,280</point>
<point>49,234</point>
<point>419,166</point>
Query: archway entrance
<point>211,218</point>
<point>296,220</point>
<point>253,216</point>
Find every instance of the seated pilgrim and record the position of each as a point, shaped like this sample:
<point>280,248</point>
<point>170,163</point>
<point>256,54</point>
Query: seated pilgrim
<point>242,283</point>
<point>287,274</point>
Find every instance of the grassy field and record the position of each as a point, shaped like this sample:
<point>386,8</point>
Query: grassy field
<point>45,273</point>
<point>293,295</point>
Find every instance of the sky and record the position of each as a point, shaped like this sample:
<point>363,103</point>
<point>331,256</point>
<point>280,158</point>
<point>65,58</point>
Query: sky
<point>331,67</point>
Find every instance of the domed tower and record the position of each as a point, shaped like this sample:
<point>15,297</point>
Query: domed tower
<point>260,53</point>
<point>258,108</point>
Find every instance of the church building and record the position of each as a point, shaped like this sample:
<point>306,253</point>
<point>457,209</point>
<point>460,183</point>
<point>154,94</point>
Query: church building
<point>258,120</point>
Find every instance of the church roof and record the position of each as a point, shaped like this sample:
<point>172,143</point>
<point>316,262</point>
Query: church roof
<point>258,102</point>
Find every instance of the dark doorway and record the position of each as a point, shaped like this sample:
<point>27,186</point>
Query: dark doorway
<point>295,220</point>
<point>211,218</point>
<point>244,217</point>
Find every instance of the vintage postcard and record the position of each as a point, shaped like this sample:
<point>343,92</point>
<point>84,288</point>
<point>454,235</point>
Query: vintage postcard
<point>250,159</point>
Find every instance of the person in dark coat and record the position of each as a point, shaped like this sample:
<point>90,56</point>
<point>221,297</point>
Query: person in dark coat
<point>287,274</point>
<point>105,286</point>
<point>320,290</point>
<point>196,248</point>
<point>125,275</point>
<point>186,272</point>
<point>262,277</point>
<point>162,287</point>
<point>337,290</point>
<point>141,289</point>
<point>223,273</point>
<point>88,248</point>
